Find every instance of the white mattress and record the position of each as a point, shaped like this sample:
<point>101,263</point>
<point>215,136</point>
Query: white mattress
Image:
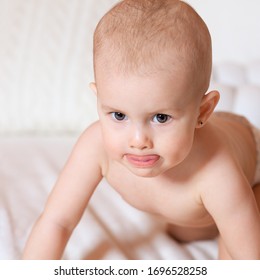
<point>109,229</point>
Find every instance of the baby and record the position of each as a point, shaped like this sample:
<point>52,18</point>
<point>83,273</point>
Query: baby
<point>157,141</point>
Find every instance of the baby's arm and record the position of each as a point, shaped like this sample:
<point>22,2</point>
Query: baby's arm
<point>233,207</point>
<point>69,198</point>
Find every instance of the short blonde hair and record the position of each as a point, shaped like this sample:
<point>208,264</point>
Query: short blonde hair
<point>144,36</point>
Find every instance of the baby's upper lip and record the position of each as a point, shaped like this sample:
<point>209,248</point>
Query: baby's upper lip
<point>142,158</point>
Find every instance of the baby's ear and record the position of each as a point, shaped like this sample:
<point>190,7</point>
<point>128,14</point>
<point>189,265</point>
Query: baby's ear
<point>207,106</point>
<point>93,87</point>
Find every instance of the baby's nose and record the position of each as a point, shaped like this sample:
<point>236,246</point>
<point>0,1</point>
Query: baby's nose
<point>140,139</point>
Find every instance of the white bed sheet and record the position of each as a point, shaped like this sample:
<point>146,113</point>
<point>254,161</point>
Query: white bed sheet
<point>109,229</point>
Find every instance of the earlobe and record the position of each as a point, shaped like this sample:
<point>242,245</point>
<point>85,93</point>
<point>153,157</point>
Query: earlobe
<point>93,87</point>
<point>207,106</point>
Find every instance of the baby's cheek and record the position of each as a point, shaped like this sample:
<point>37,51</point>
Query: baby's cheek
<point>178,149</point>
<point>113,147</point>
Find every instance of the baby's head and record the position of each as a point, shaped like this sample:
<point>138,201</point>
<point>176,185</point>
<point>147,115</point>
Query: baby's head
<point>152,61</point>
<point>145,37</point>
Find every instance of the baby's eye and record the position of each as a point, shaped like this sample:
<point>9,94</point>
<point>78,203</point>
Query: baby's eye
<point>161,118</point>
<point>118,116</point>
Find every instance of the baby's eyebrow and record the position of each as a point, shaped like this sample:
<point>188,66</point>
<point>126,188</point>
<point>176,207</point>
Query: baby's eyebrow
<point>165,109</point>
<point>168,110</point>
<point>109,108</point>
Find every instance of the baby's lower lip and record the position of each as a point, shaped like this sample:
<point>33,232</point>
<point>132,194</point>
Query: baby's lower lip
<point>142,161</point>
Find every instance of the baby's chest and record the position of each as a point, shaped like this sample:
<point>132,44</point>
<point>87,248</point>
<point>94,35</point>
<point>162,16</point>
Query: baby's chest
<point>176,203</point>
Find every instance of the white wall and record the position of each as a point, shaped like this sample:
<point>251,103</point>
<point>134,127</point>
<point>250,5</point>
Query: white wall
<point>234,27</point>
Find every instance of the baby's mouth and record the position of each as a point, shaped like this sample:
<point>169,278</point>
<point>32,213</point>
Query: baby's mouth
<point>142,161</point>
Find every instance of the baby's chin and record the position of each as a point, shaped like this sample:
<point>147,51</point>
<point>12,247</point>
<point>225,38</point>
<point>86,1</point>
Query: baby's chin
<point>145,173</point>
<point>151,172</point>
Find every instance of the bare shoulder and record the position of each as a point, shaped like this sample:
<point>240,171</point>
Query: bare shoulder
<point>236,135</point>
<point>92,134</point>
<point>223,173</point>
<point>83,168</point>
<point>225,185</point>
<point>77,180</point>
<point>90,144</point>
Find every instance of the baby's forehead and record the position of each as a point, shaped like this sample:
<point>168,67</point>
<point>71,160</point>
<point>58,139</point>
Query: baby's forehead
<point>160,87</point>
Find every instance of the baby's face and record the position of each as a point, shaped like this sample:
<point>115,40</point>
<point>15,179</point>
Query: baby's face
<point>148,123</point>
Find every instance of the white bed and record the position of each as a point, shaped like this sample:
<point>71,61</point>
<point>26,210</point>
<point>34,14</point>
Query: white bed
<point>45,103</point>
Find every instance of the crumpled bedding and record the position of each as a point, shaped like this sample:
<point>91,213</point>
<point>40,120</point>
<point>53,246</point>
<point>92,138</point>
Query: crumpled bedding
<point>109,228</point>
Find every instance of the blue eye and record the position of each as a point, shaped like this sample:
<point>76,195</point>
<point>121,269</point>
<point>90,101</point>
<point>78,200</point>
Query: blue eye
<point>118,116</point>
<point>161,118</point>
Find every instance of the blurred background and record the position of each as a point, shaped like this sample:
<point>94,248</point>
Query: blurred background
<point>46,59</point>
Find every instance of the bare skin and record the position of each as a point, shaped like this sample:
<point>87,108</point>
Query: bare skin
<point>157,141</point>
<point>187,217</point>
<point>189,167</point>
